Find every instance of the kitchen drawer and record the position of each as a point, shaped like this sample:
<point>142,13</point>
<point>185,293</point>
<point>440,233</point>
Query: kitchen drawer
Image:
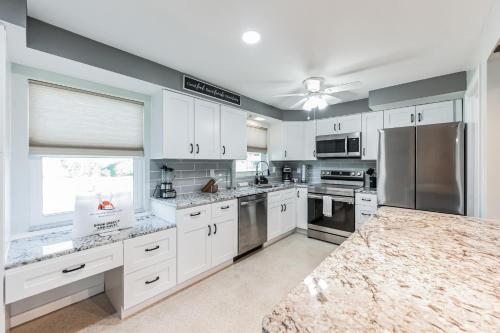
<point>366,199</point>
<point>191,218</point>
<point>148,282</point>
<point>224,208</point>
<point>32,279</point>
<point>273,197</point>
<point>289,194</point>
<point>363,213</point>
<point>148,250</point>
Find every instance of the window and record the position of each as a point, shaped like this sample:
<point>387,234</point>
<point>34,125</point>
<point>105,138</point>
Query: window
<point>64,178</point>
<point>250,163</point>
<point>81,142</point>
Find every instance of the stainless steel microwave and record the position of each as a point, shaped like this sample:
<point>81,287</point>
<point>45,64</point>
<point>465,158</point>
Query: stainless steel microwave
<point>339,145</point>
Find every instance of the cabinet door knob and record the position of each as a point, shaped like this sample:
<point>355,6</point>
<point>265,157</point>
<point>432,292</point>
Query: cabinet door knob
<point>209,230</point>
<point>195,214</point>
<point>339,126</point>
<point>334,127</point>
<point>419,117</point>
<point>298,194</point>
<point>412,118</point>
<point>152,281</point>
<point>152,248</point>
<point>223,150</point>
<point>69,270</point>
<point>282,208</point>
<point>285,208</point>
<point>192,148</point>
<point>197,148</point>
<point>364,151</point>
<point>314,153</point>
<point>215,227</point>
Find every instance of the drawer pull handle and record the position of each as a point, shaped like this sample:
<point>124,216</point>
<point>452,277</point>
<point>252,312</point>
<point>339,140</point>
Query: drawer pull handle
<point>366,199</point>
<point>195,214</point>
<point>365,214</point>
<point>69,270</point>
<point>152,248</point>
<point>152,281</point>
<point>225,207</point>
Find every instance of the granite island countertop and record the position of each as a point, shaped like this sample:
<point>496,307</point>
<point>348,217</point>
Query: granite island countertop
<point>50,245</point>
<point>403,271</point>
<point>198,199</point>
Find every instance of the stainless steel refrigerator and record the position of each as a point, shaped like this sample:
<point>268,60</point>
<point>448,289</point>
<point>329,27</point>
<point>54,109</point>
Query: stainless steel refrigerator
<point>423,168</point>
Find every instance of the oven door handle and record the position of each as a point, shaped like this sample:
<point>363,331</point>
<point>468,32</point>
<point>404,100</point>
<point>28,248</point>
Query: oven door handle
<point>348,200</point>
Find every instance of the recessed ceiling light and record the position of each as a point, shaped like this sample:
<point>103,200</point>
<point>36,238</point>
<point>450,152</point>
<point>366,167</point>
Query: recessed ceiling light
<point>251,37</point>
<point>259,118</point>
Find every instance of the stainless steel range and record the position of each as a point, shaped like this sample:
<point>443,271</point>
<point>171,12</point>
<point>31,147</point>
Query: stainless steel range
<point>330,212</point>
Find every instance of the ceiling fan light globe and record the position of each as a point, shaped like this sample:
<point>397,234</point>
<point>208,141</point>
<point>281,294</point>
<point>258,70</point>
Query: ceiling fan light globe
<point>322,104</point>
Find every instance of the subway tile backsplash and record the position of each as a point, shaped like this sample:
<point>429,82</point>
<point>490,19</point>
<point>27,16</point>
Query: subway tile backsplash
<point>191,175</point>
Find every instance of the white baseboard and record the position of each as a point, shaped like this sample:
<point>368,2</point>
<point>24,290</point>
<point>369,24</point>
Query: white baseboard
<point>56,305</point>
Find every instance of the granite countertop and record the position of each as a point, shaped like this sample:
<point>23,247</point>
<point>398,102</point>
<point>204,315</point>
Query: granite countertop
<point>197,199</point>
<point>404,271</point>
<point>50,245</point>
<point>366,190</point>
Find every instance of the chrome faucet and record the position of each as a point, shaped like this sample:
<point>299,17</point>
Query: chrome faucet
<point>260,179</point>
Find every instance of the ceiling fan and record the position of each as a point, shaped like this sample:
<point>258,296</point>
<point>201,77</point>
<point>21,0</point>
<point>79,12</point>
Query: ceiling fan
<point>317,96</point>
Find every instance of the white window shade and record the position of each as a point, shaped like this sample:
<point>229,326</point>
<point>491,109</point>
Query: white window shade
<point>256,138</point>
<point>68,121</point>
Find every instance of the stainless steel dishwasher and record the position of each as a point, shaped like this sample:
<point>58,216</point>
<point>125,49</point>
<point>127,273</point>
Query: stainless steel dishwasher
<point>252,222</point>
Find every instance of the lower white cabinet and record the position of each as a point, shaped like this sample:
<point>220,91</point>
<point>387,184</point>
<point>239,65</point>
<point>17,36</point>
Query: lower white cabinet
<point>148,282</point>
<point>301,207</point>
<point>366,206</point>
<point>206,237</point>
<point>281,213</point>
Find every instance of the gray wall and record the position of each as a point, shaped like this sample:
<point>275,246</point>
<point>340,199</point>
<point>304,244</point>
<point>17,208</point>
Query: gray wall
<point>54,40</point>
<point>341,109</point>
<point>13,11</point>
<point>436,89</point>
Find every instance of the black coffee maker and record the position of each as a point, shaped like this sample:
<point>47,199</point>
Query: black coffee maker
<point>286,174</point>
<point>373,177</point>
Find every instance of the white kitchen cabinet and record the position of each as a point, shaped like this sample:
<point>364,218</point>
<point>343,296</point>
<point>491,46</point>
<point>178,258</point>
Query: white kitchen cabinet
<point>435,113</point>
<point>225,233</point>
<point>206,237</point>
<point>281,213</point>
<point>276,147</point>
<point>294,133</point>
<point>172,126</point>
<point>325,126</point>
<point>400,117</point>
<point>371,123</point>
<point>366,206</point>
<point>301,208</point>
<point>206,129</point>
<point>348,124</point>
<point>339,125</point>
<point>309,140</point>
<point>194,245</point>
<point>233,139</point>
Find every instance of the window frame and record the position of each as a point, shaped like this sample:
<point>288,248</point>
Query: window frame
<point>248,173</point>
<point>39,220</point>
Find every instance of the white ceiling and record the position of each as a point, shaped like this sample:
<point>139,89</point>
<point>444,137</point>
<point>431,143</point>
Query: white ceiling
<point>380,43</point>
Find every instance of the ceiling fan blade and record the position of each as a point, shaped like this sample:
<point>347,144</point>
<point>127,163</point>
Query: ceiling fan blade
<point>343,87</point>
<point>290,95</point>
<point>298,103</point>
<point>332,99</point>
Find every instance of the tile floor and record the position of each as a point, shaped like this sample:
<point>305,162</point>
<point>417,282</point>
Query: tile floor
<point>233,300</point>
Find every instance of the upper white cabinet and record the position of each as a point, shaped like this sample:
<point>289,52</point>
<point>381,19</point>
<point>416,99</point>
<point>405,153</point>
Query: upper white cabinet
<point>435,113</point>
<point>294,134</point>
<point>233,137</point>
<point>400,117</point>
<point>339,125</point>
<point>184,127</point>
<point>348,124</point>
<point>206,129</point>
<point>371,123</point>
<point>425,114</point>
<point>292,141</point>
<point>172,126</point>
<point>309,141</point>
